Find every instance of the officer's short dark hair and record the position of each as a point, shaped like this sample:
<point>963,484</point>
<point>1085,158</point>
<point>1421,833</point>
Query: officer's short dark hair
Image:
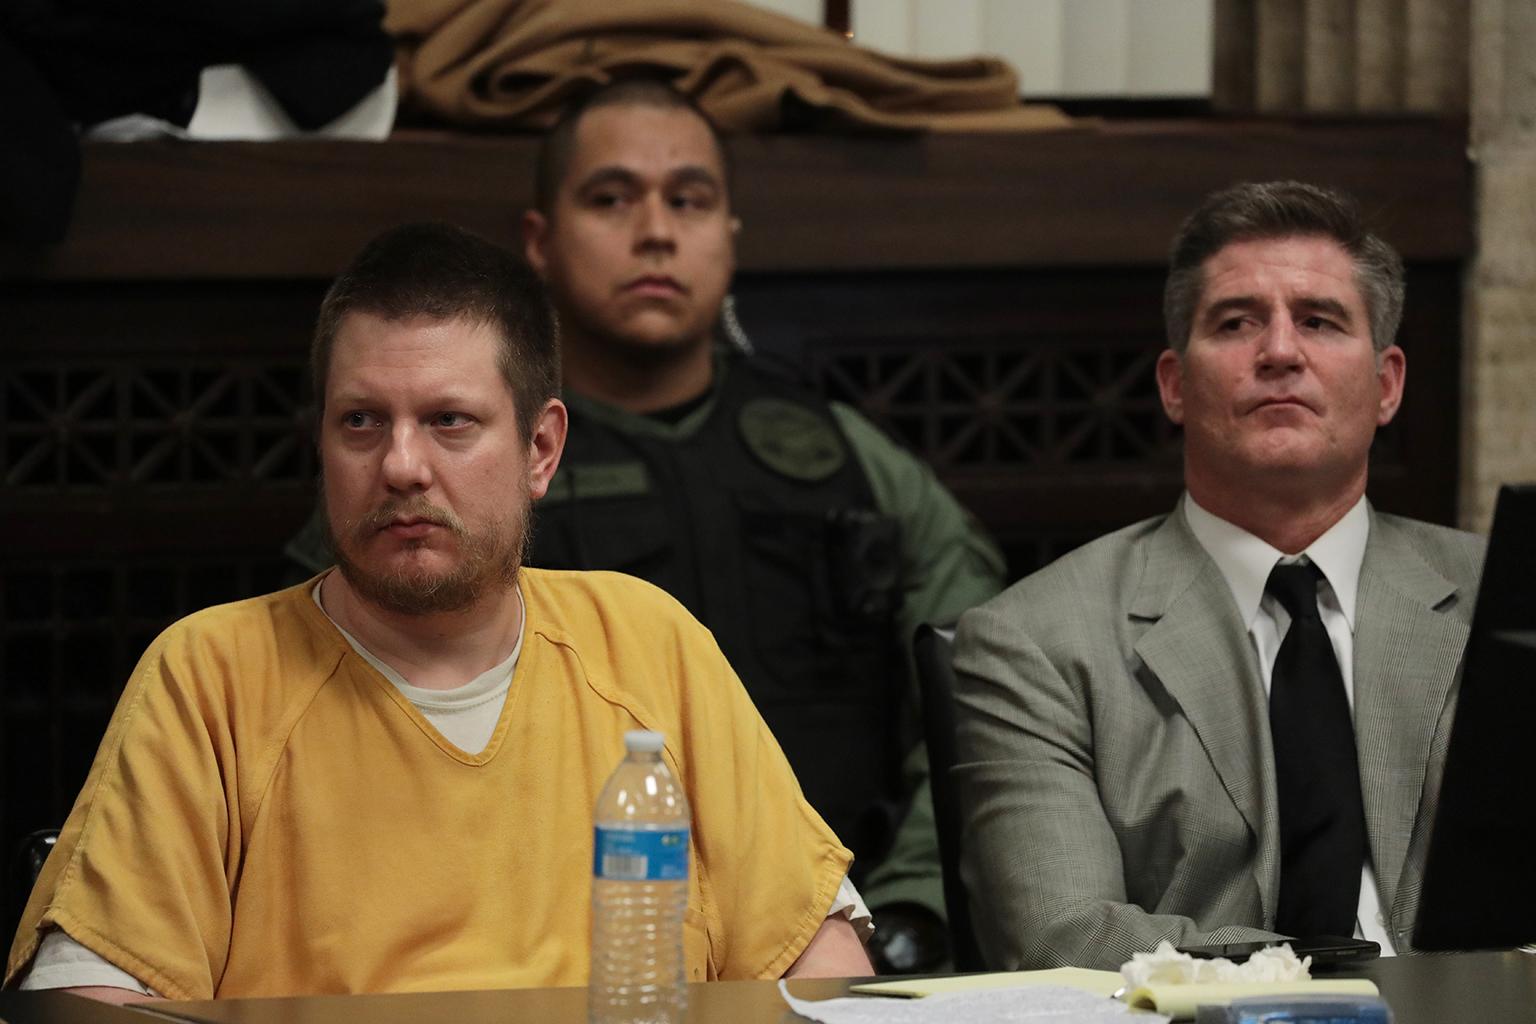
<point>442,272</point>
<point>1281,209</point>
<point>555,150</point>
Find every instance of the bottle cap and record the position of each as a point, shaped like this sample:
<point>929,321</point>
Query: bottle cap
<point>643,741</point>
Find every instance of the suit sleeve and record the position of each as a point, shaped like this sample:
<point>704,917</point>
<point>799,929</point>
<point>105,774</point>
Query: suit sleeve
<point>1041,860</point>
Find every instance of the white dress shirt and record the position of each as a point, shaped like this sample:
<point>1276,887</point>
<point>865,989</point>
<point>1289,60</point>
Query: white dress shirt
<point>1245,562</point>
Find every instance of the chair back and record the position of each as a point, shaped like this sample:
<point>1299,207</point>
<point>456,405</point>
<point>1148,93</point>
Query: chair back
<point>21,872</point>
<point>936,679</point>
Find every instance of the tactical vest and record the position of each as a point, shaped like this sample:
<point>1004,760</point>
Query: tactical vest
<point>755,514</point>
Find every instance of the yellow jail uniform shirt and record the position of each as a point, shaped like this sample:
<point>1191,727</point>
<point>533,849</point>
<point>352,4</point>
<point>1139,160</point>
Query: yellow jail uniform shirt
<point>267,815</point>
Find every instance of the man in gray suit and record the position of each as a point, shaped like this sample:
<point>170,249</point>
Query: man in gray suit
<point>1158,739</point>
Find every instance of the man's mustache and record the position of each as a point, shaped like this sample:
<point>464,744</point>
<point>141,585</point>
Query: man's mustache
<point>417,509</point>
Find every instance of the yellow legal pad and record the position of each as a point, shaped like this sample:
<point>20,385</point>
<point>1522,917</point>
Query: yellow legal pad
<point>1100,983</point>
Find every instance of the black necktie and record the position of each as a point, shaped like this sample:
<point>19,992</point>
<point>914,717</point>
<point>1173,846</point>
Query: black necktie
<point>1322,818</point>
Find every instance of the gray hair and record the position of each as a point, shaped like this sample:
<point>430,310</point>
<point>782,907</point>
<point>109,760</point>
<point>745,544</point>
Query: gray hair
<point>1281,209</point>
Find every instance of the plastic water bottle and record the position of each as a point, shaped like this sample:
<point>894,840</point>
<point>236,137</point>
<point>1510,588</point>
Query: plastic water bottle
<point>639,891</point>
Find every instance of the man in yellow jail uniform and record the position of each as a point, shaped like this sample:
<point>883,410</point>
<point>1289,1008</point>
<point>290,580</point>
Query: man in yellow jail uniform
<point>382,779</point>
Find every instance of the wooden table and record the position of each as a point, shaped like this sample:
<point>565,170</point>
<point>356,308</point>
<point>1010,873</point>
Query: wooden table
<point>1457,988</point>
<point>726,1002</point>
<point>59,1008</point>
<point>1465,988</point>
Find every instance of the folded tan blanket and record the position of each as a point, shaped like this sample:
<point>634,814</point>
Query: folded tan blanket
<point>516,63</point>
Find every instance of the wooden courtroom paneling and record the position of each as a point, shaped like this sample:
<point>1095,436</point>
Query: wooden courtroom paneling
<point>1107,194</point>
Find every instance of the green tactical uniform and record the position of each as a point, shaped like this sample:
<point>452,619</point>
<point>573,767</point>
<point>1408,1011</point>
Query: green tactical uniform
<point>949,564</point>
<point>812,546</point>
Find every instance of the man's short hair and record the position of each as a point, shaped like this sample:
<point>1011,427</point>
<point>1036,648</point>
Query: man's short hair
<point>441,272</point>
<point>1281,209</point>
<point>555,150</point>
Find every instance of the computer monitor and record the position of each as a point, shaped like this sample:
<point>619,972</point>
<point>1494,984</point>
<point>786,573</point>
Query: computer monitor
<point>1480,878</point>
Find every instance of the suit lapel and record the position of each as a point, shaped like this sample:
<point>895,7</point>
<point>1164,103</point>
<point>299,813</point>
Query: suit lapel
<point>1200,652</point>
<point>1406,654</point>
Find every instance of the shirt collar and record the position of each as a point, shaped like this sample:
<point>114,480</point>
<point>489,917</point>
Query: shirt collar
<point>490,683</point>
<point>1245,561</point>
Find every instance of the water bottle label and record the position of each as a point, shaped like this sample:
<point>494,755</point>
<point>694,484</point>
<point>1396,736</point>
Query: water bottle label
<point>635,856</point>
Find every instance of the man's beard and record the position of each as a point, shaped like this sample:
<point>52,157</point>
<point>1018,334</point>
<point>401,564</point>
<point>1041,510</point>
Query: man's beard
<point>486,560</point>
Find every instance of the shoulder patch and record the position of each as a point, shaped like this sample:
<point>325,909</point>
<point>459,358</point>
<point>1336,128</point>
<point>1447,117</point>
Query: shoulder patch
<point>791,439</point>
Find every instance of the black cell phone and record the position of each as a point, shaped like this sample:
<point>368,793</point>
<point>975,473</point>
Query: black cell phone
<point>1323,949</point>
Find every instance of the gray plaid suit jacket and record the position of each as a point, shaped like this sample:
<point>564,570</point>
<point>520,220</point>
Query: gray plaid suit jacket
<point>1114,766</point>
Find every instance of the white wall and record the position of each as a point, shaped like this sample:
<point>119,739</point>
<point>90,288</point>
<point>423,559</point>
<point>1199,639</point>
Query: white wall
<point>1110,48</point>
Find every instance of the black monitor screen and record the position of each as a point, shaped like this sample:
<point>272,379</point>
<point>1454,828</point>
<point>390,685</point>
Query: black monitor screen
<point>1480,879</point>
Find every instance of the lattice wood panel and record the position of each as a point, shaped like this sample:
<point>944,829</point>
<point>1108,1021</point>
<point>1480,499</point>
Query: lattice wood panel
<point>154,424</point>
<point>1004,404</point>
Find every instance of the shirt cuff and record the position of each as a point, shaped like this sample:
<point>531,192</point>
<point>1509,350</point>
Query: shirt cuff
<point>850,905</point>
<point>61,962</point>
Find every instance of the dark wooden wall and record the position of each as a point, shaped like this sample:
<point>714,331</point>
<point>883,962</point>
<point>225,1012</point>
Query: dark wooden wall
<point>993,301</point>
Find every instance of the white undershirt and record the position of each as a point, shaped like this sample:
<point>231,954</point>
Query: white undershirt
<point>1245,562</point>
<point>466,715</point>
